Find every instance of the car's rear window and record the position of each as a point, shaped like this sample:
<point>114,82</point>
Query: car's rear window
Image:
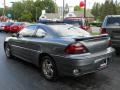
<point>113,21</point>
<point>73,21</point>
<point>18,23</point>
<point>68,31</point>
<point>3,23</point>
<point>9,23</point>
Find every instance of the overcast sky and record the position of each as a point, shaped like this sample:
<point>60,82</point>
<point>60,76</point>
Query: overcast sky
<point>59,2</point>
<point>76,2</point>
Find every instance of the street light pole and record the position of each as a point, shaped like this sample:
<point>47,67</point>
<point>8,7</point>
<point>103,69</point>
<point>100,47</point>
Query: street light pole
<point>13,10</point>
<point>85,9</point>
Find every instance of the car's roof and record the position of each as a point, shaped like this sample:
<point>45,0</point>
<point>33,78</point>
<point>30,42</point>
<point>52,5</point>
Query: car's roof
<point>55,24</point>
<point>113,15</point>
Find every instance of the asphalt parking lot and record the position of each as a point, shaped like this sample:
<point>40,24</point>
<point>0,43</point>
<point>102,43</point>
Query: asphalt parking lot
<point>19,75</point>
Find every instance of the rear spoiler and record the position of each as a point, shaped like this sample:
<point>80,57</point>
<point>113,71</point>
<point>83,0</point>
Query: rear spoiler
<point>93,37</point>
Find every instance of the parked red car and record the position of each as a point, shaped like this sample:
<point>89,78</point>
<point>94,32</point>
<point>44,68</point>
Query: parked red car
<point>17,26</point>
<point>7,26</point>
<point>4,26</point>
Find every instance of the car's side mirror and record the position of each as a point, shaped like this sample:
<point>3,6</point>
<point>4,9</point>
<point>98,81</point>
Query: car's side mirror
<point>99,24</point>
<point>15,35</point>
<point>41,33</point>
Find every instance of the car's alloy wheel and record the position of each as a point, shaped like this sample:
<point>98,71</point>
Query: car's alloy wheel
<point>8,51</point>
<point>49,70</point>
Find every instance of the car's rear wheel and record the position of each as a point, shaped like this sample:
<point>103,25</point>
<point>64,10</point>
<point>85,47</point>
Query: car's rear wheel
<point>48,67</point>
<point>8,51</point>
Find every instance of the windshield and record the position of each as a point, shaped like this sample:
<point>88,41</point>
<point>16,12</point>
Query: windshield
<point>113,21</point>
<point>69,31</point>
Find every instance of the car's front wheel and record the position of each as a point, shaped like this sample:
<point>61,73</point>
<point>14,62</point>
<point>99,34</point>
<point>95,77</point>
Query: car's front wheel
<point>8,51</point>
<point>49,69</point>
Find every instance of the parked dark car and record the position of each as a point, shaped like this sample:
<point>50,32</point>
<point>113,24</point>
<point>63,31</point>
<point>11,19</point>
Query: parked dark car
<point>111,26</point>
<point>60,49</point>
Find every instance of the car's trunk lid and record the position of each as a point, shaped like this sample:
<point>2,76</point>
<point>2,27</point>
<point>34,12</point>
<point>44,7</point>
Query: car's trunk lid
<point>95,43</point>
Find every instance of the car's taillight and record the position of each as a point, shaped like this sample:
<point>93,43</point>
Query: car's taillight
<point>76,48</point>
<point>103,31</point>
<point>83,27</point>
<point>110,42</point>
<point>7,27</point>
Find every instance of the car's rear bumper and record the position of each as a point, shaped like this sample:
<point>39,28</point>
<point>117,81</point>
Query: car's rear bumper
<point>76,65</point>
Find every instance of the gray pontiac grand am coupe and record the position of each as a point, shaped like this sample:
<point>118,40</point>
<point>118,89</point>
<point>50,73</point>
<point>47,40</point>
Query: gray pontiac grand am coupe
<point>60,49</point>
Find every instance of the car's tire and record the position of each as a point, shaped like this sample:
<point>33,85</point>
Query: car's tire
<point>8,51</point>
<point>49,69</point>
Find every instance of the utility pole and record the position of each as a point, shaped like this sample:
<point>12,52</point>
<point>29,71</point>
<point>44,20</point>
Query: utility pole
<point>36,13</point>
<point>63,8</point>
<point>116,2</point>
<point>4,8</point>
<point>85,9</point>
<point>13,10</point>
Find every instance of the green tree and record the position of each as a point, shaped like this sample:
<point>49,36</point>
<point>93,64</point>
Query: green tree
<point>118,8</point>
<point>109,8</point>
<point>101,10</point>
<point>96,10</point>
<point>66,8</point>
<point>34,7</point>
<point>1,11</point>
<point>26,16</point>
<point>17,9</point>
<point>39,5</point>
<point>29,6</point>
<point>56,8</point>
<point>47,5</point>
<point>77,8</point>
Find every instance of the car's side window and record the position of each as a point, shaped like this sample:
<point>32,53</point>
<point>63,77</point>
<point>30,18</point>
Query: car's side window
<point>41,33</point>
<point>28,31</point>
